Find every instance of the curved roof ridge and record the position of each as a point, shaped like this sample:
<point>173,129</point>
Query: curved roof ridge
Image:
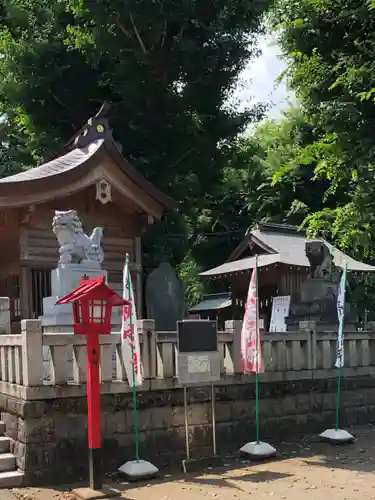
<point>57,166</point>
<point>91,146</point>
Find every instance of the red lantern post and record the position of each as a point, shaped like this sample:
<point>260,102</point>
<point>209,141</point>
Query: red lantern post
<point>92,305</point>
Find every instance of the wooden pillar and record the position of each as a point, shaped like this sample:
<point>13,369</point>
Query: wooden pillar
<point>25,292</point>
<point>233,302</point>
<point>283,288</point>
<point>236,308</point>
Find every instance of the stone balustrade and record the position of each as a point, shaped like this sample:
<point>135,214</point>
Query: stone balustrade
<point>286,356</point>
<point>43,400</point>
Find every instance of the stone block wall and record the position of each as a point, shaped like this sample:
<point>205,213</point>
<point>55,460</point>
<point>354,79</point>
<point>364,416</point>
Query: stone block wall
<point>49,437</point>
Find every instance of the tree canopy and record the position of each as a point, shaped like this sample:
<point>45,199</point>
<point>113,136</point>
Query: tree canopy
<point>329,46</point>
<point>170,68</point>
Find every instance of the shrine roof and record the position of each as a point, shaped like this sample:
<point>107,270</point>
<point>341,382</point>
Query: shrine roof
<point>90,149</point>
<point>279,244</point>
<point>57,166</point>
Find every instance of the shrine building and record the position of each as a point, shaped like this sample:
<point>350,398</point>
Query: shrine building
<point>93,178</point>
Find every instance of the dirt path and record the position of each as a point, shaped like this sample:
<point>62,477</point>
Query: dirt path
<point>305,470</point>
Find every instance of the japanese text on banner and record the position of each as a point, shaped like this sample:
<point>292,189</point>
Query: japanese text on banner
<point>130,347</point>
<point>250,338</point>
<point>340,314</point>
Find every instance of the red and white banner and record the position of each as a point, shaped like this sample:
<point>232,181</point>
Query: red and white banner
<point>250,337</point>
<point>131,352</point>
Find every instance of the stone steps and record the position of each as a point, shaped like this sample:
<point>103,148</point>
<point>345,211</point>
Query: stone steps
<point>4,444</point>
<point>7,462</point>
<point>10,477</point>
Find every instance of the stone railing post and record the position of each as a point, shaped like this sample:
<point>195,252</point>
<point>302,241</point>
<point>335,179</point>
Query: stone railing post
<point>234,327</point>
<point>165,354</point>
<point>309,328</point>
<point>5,327</point>
<point>146,328</point>
<point>32,355</point>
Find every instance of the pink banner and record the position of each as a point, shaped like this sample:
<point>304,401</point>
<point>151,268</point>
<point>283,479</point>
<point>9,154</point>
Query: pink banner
<point>250,338</point>
<point>131,353</point>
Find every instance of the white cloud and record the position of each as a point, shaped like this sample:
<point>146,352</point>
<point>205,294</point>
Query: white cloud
<point>258,82</point>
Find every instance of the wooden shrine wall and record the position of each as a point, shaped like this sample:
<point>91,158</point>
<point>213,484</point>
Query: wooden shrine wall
<point>39,249</point>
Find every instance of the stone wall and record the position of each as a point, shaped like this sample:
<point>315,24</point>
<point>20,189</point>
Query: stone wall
<point>49,436</point>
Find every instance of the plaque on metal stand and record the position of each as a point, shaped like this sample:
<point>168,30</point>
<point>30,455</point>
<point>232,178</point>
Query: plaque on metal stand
<point>198,364</point>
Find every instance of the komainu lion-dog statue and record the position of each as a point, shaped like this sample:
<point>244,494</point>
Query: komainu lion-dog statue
<point>75,246</point>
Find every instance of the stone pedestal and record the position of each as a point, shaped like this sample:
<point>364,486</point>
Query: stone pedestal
<point>294,325</point>
<point>318,302</point>
<point>318,290</point>
<point>64,279</point>
<point>58,318</point>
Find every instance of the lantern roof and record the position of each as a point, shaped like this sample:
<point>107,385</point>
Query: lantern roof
<point>95,289</point>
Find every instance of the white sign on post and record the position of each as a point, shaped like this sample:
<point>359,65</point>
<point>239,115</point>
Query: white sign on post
<point>198,364</point>
<point>280,310</point>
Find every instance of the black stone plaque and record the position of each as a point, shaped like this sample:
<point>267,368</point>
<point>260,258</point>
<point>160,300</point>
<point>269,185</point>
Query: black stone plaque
<point>197,336</point>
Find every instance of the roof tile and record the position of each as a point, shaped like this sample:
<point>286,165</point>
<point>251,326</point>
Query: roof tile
<point>289,249</point>
<point>57,166</point>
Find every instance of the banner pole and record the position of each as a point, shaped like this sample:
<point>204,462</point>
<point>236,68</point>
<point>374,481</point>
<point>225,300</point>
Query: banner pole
<point>134,389</point>
<point>338,396</point>
<point>256,449</point>
<point>257,430</point>
<point>340,347</point>
<point>338,435</point>
<point>213,415</point>
<point>134,469</point>
<point>186,424</point>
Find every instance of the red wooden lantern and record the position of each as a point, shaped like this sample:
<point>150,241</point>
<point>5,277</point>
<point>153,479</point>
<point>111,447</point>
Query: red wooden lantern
<point>92,305</point>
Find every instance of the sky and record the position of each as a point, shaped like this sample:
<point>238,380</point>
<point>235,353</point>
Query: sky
<point>257,83</point>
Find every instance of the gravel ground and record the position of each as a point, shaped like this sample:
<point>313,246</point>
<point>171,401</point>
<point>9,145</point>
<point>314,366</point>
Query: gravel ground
<point>307,469</point>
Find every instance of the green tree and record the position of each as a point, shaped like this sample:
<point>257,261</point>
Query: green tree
<point>281,185</point>
<point>329,45</point>
<point>168,68</point>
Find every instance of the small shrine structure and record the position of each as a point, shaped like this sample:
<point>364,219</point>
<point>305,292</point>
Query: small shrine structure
<point>285,265</point>
<point>93,178</point>
<point>214,306</point>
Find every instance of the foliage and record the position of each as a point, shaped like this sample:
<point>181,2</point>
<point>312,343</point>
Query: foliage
<point>329,45</point>
<point>188,271</point>
<point>168,67</point>
<point>281,182</point>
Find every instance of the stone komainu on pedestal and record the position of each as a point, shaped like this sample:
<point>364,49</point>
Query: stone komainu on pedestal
<point>80,255</point>
<point>318,294</point>
<point>321,261</point>
<point>75,245</point>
